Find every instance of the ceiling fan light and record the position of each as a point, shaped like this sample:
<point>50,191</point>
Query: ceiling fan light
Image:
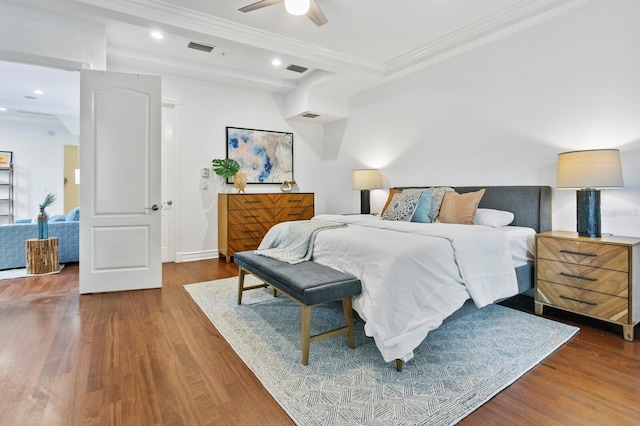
<point>297,7</point>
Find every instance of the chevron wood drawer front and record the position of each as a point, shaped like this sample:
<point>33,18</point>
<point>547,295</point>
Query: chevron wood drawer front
<point>596,277</point>
<point>584,302</point>
<point>244,219</point>
<point>615,283</point>
<point>585,253</point>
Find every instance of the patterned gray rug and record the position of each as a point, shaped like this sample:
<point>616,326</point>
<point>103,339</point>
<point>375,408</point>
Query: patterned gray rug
<point>458,367</point>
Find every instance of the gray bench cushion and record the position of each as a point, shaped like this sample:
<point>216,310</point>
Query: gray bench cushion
<point>307,282</point>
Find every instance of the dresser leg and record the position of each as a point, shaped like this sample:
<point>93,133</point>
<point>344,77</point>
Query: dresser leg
<point>538,308</point>
<point>627,331</point>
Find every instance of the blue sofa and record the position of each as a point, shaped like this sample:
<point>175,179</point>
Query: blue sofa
<point>13,237</point>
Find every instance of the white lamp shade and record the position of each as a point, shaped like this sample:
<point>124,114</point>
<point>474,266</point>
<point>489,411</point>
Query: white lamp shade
<point>297,7</point>
<point>367,179</point>
<point>593,169</point>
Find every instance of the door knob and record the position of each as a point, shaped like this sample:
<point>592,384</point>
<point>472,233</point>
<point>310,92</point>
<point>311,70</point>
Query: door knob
<point>153,207</point>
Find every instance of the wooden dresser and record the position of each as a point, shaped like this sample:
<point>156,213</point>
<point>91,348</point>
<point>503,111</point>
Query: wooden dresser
<point>596,277</point>
<point>243,219</point>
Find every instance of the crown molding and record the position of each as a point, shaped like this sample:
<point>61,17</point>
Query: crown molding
<point>508,17</point>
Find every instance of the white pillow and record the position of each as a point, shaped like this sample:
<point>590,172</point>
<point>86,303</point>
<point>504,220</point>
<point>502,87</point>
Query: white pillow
<point>491,217</point>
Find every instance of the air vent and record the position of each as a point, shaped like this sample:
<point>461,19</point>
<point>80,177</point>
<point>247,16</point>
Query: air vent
<point>200,46</point>
<point>297,68</point>
<point>310,115</point>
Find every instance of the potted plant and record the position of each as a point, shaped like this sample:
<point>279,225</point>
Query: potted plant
<point>227,168</point>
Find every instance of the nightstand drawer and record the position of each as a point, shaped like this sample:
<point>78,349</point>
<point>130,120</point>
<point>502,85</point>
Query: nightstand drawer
<point>584,253</point>
<point>601,280</point>
<point>251,201</point>
<point>583,301</point>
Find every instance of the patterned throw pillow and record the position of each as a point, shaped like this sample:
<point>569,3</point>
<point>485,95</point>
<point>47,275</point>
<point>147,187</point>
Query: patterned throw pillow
<point>402,206</point>
<point>436,201</point>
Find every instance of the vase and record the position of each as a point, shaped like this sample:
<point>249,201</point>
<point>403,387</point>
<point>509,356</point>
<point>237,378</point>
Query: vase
<point>240,181</point>
<point>43,225</point>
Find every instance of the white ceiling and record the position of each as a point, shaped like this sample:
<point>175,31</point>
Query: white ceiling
<point>365,43</point>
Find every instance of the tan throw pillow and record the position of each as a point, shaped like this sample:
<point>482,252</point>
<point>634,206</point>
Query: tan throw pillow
<point>460,208</point>
<point>392,192</point>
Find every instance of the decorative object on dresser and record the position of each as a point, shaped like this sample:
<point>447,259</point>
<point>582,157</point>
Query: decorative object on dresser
<point>42,230</point>
<point>289,186</point>
<point>264,155</point>
<point>596,277</point>
<point>588,172</point>
<point>365,180</point>
<point>244,219</point>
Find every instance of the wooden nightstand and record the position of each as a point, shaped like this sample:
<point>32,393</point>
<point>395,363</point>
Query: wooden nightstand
<point>596,277</point>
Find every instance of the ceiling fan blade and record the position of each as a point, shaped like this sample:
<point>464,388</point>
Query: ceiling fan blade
<point>259,5</point>
<point>316,14</point>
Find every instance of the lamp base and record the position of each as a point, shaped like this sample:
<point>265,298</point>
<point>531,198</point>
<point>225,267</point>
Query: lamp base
<point>588,210</point>
<point>365,205</point>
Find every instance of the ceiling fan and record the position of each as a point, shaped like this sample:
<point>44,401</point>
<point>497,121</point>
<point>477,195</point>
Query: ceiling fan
<point>294,7</point>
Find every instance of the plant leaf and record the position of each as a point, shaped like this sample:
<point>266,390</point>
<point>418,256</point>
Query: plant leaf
<point>226,167</point>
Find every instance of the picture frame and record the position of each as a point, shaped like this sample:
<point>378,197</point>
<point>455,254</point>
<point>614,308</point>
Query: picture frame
<point>266,156</point>
<point>6,159</point>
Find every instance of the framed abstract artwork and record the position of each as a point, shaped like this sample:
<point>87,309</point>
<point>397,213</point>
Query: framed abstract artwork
<point>265,156</point>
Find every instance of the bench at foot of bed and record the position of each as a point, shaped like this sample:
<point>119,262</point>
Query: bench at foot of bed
<point>307,283</point>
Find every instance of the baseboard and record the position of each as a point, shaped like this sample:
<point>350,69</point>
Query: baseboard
<point>196,255</point>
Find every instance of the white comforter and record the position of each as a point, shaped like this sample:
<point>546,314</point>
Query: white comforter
<point>413,275</point>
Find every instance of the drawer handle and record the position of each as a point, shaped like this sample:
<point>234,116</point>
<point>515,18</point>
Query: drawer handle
<point>294,215</point>
<point>252,202</point>
<point>251,217</point>
<point>578,253</point>
<point>579,301</point>
<point>294,201</point>
<point>577,277</point>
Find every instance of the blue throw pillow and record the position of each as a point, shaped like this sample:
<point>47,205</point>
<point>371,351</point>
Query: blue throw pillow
<point>74,215</point>
<point>424,207</point>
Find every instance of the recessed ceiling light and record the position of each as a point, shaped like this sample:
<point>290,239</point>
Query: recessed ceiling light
<point>38,92</point>
<point>276,62</point>
<point>157,35</point>
<point>2,109</point>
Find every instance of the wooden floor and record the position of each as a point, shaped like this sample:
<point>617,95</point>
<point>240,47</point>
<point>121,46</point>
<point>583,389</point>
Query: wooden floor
<point>150,357</point>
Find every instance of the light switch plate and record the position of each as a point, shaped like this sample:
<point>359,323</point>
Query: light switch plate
<point>205,172</point>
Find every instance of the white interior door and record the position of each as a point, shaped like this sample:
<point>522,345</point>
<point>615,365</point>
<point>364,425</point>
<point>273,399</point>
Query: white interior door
<point>120,133</point>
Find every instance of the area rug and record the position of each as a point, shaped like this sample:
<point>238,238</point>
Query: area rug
<point>22,273</point>
<point>456,369</point>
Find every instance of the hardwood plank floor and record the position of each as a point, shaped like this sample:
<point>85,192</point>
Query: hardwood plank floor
<point>150,357</point>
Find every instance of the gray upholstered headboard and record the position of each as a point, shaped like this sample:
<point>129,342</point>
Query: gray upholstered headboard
<point>531,205</point>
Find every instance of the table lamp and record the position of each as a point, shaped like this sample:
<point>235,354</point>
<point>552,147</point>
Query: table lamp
<point>365,180</point>
<point>588,172</point>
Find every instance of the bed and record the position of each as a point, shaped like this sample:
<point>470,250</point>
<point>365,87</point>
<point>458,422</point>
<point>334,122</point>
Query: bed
<point>416,276</point>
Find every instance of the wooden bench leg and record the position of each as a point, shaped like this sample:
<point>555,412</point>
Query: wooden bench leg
<point>241,273</point>
<point>305,333</point>
<point>348,319</point>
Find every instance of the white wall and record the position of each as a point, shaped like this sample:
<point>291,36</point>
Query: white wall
<point>500,114</point>
<point>206,110</point>
<point>38,163</point>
